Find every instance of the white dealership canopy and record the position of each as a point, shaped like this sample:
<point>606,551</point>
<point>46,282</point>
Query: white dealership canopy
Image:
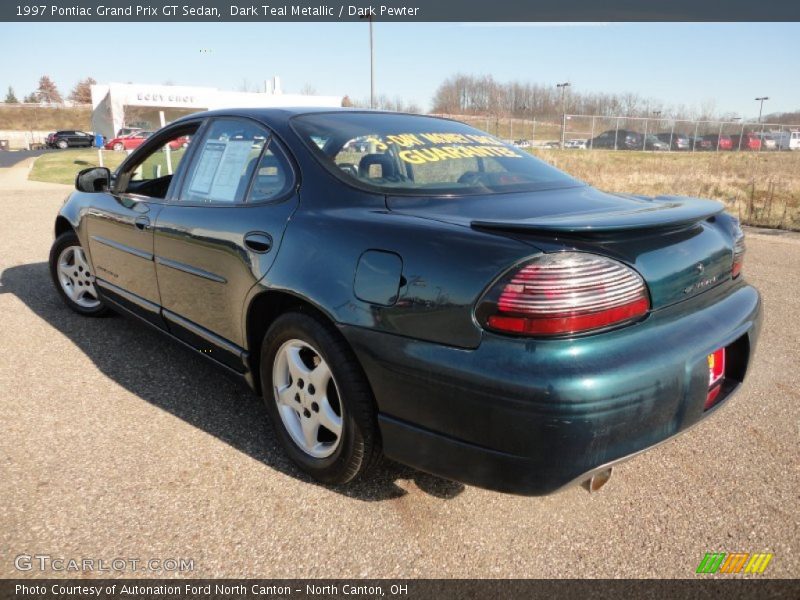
<point>118,105</point>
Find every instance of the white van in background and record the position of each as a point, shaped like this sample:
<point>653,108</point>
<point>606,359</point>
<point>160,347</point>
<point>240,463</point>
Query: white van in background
<point>785,140</point>
<point>794,140</point>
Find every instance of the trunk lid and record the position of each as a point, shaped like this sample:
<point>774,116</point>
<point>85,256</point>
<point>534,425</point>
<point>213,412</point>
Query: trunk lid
<point>677,244</point>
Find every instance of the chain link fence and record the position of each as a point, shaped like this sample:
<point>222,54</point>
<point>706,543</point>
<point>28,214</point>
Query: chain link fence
<point>592,132</point>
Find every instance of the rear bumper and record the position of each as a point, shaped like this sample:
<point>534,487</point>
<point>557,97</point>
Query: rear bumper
<point>530,417</point>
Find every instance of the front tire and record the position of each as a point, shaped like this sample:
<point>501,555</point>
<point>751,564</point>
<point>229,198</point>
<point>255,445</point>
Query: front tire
<point>73,277</point>
<point>318,399</point>
<point>119,147</point>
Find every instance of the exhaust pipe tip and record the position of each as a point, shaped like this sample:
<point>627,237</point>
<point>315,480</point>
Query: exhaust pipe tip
<point>597,481</point>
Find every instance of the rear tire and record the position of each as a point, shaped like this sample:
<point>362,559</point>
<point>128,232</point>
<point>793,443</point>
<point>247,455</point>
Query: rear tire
<point>62,144</point>
<point>331,433</point>
<point>73,277</point>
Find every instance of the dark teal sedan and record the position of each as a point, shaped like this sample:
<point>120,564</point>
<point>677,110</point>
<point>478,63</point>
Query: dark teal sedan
<point>410,287</point>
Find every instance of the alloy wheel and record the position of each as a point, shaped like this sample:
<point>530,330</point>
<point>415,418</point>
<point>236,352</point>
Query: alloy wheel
<point>307,398</point>
<point>76,278</point>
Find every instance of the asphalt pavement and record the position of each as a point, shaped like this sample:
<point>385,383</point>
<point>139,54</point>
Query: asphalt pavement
<point>10,158</point>
<point>115,442</point>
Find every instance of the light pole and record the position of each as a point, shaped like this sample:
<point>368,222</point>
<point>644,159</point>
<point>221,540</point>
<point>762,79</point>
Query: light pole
<point>657,114</point>
<point>761,106</point>
<point>371,64</point>
<point>563,87</point>
<point>741,133</point>
<point>760,110</point>
<point>533,116</point>
<point>371,67</point>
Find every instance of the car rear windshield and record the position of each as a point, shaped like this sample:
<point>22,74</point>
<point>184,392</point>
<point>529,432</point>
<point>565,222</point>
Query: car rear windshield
<point>417,155</point>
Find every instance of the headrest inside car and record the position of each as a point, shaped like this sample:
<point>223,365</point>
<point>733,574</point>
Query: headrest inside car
<point>384,161</point>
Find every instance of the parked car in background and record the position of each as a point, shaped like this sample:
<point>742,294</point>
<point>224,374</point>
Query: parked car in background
<point>69,138</point>
<point>748,141</point>
<point>768,142</point>
<point>522,143</point>
<point>651,142</point>
<point>675,140</point>
<point>718,142</point>
<point>701,143</point>
<point>576,144</point>
<point>786,140</point>
<point>618,139</point>
<point>126,131</point>
<point>359,144</point>
<point>181,142</point>
<point>128,142</point>
<point>492,321</point>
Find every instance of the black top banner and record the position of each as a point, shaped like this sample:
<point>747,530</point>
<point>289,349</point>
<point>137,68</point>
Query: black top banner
<point>399,10</point>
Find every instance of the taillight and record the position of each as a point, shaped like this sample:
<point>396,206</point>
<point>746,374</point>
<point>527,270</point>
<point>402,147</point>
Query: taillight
<point>564,293</point>
<point>716,366</point>
<point>738,256</point>
<point>716,373</point>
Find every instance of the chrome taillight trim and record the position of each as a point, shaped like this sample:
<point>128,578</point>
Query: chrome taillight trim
<point>574,278</point>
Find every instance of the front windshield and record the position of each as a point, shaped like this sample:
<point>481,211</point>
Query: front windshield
<point>408,154</point>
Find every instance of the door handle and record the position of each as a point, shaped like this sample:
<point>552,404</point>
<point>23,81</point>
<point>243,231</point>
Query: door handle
<point>258,241</point>
<point>142,223</point>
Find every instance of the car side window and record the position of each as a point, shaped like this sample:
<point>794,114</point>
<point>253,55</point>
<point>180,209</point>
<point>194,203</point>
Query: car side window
<point>151,174</point>
<point>224,162</point>
<point>273,177</point>
<point>164,160</point>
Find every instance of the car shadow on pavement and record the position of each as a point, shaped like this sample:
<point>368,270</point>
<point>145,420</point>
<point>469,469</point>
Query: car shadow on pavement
<point>171,377</point>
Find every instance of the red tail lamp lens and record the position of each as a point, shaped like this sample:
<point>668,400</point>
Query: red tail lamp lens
<point>716,366</point>
<point>711,399</point>
<point>565,293</point>
<point>716,372</point>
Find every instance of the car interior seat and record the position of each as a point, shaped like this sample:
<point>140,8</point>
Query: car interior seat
<point>385,161</point>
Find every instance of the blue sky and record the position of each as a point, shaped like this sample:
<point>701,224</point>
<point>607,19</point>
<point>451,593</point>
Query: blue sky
<point>694,64</point>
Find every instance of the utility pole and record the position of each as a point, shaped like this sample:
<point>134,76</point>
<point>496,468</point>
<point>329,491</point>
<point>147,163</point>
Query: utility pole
<point>760,110</point>
<point>563,87</point>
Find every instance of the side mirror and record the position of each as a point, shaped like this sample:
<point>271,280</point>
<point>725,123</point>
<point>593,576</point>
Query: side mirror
<point>93,179</point>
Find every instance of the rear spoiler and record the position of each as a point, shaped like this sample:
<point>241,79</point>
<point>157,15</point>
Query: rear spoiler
<point>662,212</point>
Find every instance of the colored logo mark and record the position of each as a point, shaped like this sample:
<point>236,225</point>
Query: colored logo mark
<point>736,562</point>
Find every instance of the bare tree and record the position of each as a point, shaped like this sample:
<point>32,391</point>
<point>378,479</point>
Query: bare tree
<point>47,91</point>
<point>308,90</point>
<point>82,92</point>
<point>787,118</point>
<point>384,102</point>
<point>482,95</point>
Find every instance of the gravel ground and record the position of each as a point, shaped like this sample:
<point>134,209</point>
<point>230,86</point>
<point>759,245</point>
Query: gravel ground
<point>117,443</point>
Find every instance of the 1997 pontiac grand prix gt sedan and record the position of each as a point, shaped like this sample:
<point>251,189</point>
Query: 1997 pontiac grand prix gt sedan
<point>412,287</point>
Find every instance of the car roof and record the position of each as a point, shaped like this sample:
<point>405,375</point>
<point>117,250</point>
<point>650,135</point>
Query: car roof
<point>284,113</point>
